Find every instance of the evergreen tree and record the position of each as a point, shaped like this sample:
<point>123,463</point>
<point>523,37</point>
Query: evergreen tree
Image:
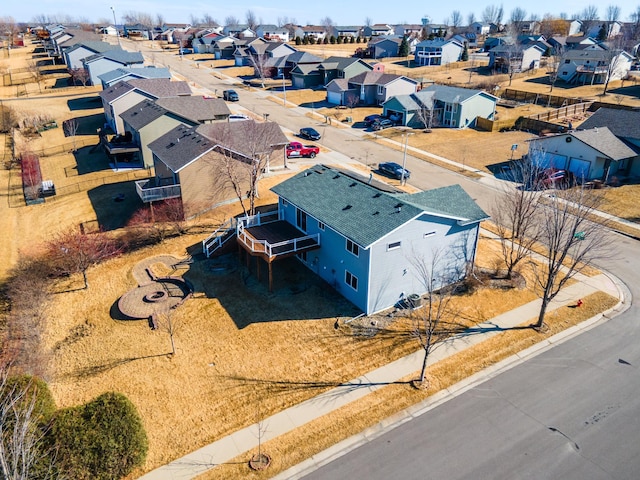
<point>403,49</point>
<point>465,53</point>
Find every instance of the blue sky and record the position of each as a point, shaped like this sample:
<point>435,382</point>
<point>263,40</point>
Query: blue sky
<point>349,12</point>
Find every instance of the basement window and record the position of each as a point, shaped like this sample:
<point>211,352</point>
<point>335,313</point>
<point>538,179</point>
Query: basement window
<point>429,234</point>
<point>393,246</point>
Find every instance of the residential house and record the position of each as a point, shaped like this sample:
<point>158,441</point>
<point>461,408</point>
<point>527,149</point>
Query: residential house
<point>306,75</point>
<point>239,31</point>
<point>311,31</point>
<point>593,154</point>
<point>123,95</point>
<point>441,106</point>
<point>577,42</point>
<point>480,28</point>
<point>110,30</point>
<point>590,66</point>
<point>610,29</point>
<point>125,73</point>
<point>269,57</point>
<point>223,47</point>
<point>345,31</point>
<point>365,238</point>
<point>66,39</point>
<point>384,46</point>
<point>369,88</point>
<point>203,43</point>
<point>273,33</point>
<point>409,30</point>
<point>301,58</point>
<point>149,120</point>
<point>189,162</point>
<point>575,27</point>
<point>139,31</point>
<point>516,58</point>
<point>241,54</point>
<point>74,55</point>
<point>436,30</point>
<point>341,67</point>
<point>437,52</point>
<point>101,63</point>
<point>529,27</point>
<point>378,30</point>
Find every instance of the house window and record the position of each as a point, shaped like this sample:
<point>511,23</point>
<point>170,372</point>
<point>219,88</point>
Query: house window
<point>301,220</point>
<point>567,61</point>
<point>285,203</point>
<point>393,246</point>
<point>380,90</point>
<point>429,234</point>
<point>353,248</point>
<point>321,226</point>
<point>351,280</point>
<point>447,107</point>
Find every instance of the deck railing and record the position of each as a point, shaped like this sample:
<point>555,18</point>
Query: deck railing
<point>274,249</point>
<point>260,218</point>
<point>220,237</point>
<point>150,193</point>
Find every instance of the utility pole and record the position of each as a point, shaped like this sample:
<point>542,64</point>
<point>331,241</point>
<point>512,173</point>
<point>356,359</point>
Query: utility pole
<point>404,157</point>
<point>115,25</point>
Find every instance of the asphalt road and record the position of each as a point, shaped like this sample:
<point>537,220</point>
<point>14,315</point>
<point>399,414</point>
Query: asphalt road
<point>572,412</point>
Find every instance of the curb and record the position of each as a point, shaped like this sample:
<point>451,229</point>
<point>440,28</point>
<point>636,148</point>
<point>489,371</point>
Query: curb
<point>345,446</point>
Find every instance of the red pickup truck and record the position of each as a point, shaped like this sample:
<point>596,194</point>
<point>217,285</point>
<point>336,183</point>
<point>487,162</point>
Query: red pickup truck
<point>296,149</point>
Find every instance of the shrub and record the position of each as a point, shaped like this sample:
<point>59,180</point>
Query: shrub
<point>36,390</point>
<point>102,440</point>
<point>298,40</point>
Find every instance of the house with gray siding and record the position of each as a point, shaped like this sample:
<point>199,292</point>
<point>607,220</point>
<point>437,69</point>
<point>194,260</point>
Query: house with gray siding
<point>124,73</point>
<point>452,107</point>
<point>342,67</point>
<point>124,95</point>
<point>369,88</point>
<point>102,63</point>
<point>367,239</point>
<point>74,55</point>
<point>592,154</point>
<point>437,52</point>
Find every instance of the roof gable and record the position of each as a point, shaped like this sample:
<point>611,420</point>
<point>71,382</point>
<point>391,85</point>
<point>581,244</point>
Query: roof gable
<point>605,142</point>
<point>622,123</point>
<point>180,147</point>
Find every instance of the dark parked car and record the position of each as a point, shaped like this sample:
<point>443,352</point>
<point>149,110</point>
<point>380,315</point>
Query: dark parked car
<point>554,178</point>
<point>309,133</point>
<point>393,170</point>
<point>230,95</point>
<point>382,124</point>
<point>371,119</point>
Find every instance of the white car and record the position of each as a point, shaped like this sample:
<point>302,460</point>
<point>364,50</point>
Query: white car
<point>238,117</point>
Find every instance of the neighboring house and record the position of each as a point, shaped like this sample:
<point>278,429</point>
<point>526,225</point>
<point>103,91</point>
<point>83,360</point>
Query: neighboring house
<point>452,107</point>
<point>410,30</point>
<point>306,75</point>
<point>273,33</point>
<point>436,29</point>
<point>437,52</point>
<point>223,47</point>
<point>575,27</point>
<point>589,66</point>
<point>575,42</point>
<point>594,154</point>
<point>480,28</point>
<point>346,31</point>
<point>74,55</point>
<point>529,27</point>
<point>124,95</point>
<point>203,44</point>
<point>189,162</point>
<point>383,47</point>
<point>108,30</point>
<point>301,58</point>
<point>139,31</point>
<point>149,120</point>
<point>611,29</point>
<point>342,67</point>
<point>369,88</point>
<point>124,73</point>
<point>378,30</point>
<point>365,238</point>
<point>311,31</point>
<point>261,55</point>
<point>239,31</point>
<point>102,63</point>
<point>516,58</point>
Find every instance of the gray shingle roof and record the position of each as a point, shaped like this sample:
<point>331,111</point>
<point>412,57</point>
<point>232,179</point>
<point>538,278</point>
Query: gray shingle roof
<point>605,142</point>
<point>160,87</point>
<point>303,57</point>
<point>196,108</point>
<point>247,138</point>
<point>140,72</point>
<point>115,91</point>
<point>377,78</point>
<point>142,114</point>
<point>363,213</point>
<point>93,45</point>
<point>180,146</point>
<point>445,93</point>
<point>120,56</point>
<point>622,123</point>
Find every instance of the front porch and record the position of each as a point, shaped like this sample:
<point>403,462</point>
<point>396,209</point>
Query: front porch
<point>267,237</point>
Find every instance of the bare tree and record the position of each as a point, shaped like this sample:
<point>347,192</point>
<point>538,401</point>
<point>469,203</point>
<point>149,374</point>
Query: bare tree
<point>550,26</point>
<point>471,18</point>
<point>74,252</point>
<point>456,20</point>
<point>510,60</point>
<point>251,19</point>
<point>327,24</point>
<point>9,28</point>
<point>554,63</point>
<point>426,112</point>
<point>492,14</point>
<point>23,451</point>
<point>570,241</point>
<point>70,128</point>
<point>260,67</point>
<point>514,214</point>
<point>170,325</point>
<point>352,100</point>
<point>589,17</point>
<point>614,62</point>
<point>517,18</point>
<point>231,20</point>
<point>208,20</point>
<point>434,272</point>
<point>79,75</point>
<point>35,71</point>
<point>160,20</point>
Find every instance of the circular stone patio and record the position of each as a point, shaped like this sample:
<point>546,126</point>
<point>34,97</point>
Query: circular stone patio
<point>153,298</point>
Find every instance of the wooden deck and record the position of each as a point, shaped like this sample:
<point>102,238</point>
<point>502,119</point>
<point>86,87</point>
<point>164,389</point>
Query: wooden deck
<point>276,240</point>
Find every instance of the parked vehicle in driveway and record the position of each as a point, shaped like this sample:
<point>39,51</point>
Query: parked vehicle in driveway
<point>382,124</point>
<point>230,95</point>
<point>371,119</point>
<point>309,133</point>
<point>554,178</point>
<point>237,117</point>
<point>394,170</point>
<point>296,149</point>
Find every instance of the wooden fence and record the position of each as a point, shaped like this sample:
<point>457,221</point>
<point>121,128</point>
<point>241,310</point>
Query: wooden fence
<point>495,125</point>
<point>563,112</point>
<point>545,99</point>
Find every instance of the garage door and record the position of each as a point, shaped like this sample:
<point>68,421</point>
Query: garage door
<point>580,168</point>
<point>550,160</point>
<point>334,98</point>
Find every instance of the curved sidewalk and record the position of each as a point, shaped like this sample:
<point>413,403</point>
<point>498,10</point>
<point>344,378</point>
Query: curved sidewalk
<point>245,440</point>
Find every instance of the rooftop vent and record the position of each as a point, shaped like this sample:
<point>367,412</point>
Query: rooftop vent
<point>353,184</point>
<point>348,207</point>
<point>377,195</point>
<point>376,213</point>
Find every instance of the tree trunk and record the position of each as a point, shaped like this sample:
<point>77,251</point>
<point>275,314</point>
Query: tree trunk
<point>84,277</point>
<point>543,310</point>
<point>423,371</point>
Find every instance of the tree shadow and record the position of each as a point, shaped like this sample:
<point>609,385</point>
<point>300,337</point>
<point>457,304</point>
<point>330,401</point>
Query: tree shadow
<point>93,370</point>
<point>88,160</point>
<point>114,204</point>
